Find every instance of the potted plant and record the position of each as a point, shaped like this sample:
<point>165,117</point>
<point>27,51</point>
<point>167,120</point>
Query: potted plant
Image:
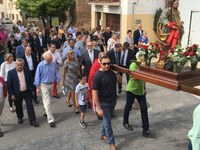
<point>177,58</point>
<point>150,51</point>
<point>193,55</point>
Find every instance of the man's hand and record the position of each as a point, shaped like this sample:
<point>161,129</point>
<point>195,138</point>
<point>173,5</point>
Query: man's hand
<point>100,112</point>
<point>83,67</point>
<point>38,90</point>
<point>12,109</point>
<point>12,97</point>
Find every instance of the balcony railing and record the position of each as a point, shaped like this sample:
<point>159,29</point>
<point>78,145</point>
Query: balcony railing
<point>104,2</point>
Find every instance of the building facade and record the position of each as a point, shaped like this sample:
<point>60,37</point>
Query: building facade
<point>122,15</point>
<point>190,15</point>
<point>3,9</point>
<point>8,9</point>
<point>12,12</point>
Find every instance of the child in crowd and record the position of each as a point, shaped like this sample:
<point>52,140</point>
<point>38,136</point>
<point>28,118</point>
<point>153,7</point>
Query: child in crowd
<point>81,98</point>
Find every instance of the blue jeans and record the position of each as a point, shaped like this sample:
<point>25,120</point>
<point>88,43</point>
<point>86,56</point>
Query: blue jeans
<point>130,97</point>
<point>190,146</point>
<point>108,109</point>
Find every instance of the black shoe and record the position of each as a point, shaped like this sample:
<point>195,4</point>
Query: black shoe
<point>113,116</point>
<point>146,133</point>
<point>20,121</point>
<point>127,126</point>
<point>77,112</point>
<point>56,96</point>
<point>44,114</point>
<point>119,91</point>
<point>35,101</point>
<point>1,134</point>
<point>35,124</point>
<point>52,124</point>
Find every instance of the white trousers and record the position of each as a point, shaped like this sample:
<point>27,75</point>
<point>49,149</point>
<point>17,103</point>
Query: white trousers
<point>46,90</point>
<point>2,102</point>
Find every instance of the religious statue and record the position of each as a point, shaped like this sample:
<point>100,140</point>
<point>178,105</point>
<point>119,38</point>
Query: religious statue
<point>169,29</point>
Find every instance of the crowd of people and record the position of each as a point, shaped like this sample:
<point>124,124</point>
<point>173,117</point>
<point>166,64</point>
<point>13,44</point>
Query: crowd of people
<point>31,60</point>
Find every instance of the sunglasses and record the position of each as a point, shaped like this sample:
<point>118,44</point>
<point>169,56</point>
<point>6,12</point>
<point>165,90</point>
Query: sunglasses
<point>108,63</point>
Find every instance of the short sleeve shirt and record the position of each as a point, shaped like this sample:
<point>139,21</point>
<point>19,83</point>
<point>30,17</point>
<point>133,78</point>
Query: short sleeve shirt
<point>105,83</point>
<point>135,86</point>
<point>82,91</point>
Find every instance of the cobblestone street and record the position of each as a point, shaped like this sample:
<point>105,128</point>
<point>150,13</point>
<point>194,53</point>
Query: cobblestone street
<point>170,115</point>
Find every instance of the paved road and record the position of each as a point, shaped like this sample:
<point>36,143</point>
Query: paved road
<point>170,116</point>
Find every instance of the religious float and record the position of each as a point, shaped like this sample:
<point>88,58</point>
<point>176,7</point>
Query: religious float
<point>176,68</point>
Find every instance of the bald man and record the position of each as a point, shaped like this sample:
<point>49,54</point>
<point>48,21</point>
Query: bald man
<point>46,73</point>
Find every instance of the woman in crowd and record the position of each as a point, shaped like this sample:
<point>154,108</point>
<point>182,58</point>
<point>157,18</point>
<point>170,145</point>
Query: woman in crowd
<point>12,44</point>
<point>95,43</point>
<point>129,38</point>
<point>112,41</point>
<point>143,38</point>
<point>7,65</point>
<point>70,78</point>
<point>18,36</point>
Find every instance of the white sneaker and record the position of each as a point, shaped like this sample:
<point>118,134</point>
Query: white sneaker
<point>82,125</point>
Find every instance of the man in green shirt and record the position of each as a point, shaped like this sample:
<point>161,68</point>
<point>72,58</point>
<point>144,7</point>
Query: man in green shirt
<point>136,89</point>
<point>194,133</point>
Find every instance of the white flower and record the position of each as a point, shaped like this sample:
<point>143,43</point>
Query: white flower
<point>175,53</point>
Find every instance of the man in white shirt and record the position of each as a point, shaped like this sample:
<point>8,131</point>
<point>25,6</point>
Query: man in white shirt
<point>56,57</point>
<point>20,87</point>
<point>31,62</point>
<point>21,28</point>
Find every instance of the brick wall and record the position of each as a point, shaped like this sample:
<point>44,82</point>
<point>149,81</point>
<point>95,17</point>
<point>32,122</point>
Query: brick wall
<point>83,14</point>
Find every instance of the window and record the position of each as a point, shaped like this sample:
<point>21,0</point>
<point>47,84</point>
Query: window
<point>113,21</point>
<point>17,17</point>
<point>1,1</point>
<point>2,14</point>
<point>13,16</point>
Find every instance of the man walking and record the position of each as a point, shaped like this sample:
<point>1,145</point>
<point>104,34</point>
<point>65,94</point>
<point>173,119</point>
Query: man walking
<point>104,96</point>
<point>58,60</point>
<point>30,61</point>
<point>46,73</point>
<point>20,85</point>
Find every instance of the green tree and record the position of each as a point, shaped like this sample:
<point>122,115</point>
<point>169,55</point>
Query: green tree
<point>156,18</point>
<point>43,8</point>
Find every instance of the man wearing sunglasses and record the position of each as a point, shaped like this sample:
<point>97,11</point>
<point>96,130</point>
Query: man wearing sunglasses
<point>104,96</point>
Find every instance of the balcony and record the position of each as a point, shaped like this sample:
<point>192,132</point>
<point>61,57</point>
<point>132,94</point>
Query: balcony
<point>104,2</point>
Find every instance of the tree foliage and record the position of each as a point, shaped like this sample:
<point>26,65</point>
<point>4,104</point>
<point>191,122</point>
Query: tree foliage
<point>43,8</point>
<point>156,18</point>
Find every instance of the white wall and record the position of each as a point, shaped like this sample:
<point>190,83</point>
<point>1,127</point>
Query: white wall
<point>144,6</point>
<point>185,8</point>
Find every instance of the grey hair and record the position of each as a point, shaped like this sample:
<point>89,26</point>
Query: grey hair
<point>20,60</point>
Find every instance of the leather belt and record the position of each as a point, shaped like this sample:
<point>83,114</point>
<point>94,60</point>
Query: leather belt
<point>48,83</point>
